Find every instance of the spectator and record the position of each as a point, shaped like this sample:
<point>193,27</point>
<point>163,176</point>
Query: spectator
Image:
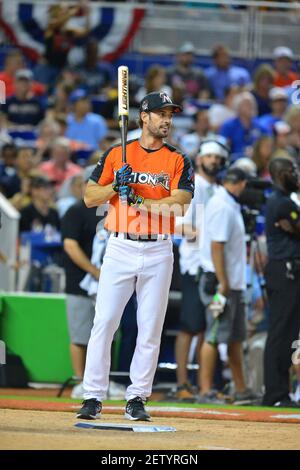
<point>60,37</point>
<point>8,155</point>
<point>59,167</point>
<point>13,62</point>
<point>224,263</point>
<point>7,163</point>
<point>186,78</point>
<point>37,215</point>
<point>75,145</point>
<point>222,75</point>
<point>96,75</point>
<point>22,110</point>
<point>23,197</point>
<point>282,147</point>
<point>211,158</point>
<point>262,154</point>
<point>112,138</point>
<point>78,231</point>
<point>241,132</point>
<point>24,164</point>
<point>155,80</point>
<point>5,138</point>
<point>292,117</point>
<point>72,192</point>
<point>59,103</point>
<point>262,85</point>
<point>48,131</point>
<point>190,143</point>
<point>83,125</point>
<point>279,104</point>
<point>283,63</point>
<point>282,281</point>
<point>218,113</point>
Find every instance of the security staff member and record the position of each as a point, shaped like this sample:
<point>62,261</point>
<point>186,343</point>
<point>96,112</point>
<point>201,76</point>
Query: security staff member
<point>282,280</point>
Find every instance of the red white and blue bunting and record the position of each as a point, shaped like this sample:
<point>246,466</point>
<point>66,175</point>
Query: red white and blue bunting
<point>23,24</point>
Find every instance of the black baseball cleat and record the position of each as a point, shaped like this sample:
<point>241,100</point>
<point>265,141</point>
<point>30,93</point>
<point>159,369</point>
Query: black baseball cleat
<point>135,410</point>
<point>287,404</point>
<point>91,409</point>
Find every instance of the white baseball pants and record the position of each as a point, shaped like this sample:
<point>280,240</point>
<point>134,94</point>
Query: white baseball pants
<point>145,267</point>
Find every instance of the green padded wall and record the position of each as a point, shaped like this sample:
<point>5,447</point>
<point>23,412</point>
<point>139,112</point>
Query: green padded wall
<point>34,326</point>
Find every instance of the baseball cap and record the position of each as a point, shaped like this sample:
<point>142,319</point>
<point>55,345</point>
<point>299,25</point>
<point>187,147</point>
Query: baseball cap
<point>24,74</point>
<point>236,175</point>
<point>187,48</point>
<point>278,93</point>
<point>40,182</point>
<point>158,100</point>
<point>78,94</point>
<point>247,165</point>
<point>283,51</point>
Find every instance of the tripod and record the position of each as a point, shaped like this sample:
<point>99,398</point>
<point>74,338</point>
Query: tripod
<point>256,340</point>
<point>256,261</point>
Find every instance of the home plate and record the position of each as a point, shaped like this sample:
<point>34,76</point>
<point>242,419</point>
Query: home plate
<point>125,427</point>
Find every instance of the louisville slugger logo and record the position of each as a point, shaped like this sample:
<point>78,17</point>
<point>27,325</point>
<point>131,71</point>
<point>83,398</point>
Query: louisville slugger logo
<point>124,89</point>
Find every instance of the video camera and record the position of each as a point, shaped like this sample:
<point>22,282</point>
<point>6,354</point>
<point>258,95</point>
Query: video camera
<point>252,199</point>
<point>255,194</point>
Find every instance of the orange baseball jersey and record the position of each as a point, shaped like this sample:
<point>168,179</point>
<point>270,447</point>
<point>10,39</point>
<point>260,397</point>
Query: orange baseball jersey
<point>155,173</point>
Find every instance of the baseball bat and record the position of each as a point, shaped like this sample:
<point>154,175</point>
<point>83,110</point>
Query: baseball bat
<point>123,111</point>
<point>123,102</point>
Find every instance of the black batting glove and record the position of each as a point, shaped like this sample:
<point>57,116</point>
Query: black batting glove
<point>127,194</point>
<point>122,177</point>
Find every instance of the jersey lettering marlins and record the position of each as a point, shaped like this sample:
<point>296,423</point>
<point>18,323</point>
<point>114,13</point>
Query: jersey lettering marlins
<point>155,174</point>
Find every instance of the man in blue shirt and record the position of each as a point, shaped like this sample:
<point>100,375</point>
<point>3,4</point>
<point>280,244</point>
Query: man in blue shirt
<point>279,104</point>
<point>222,75</point>
<point>83,125</point>
<point>241,132</point>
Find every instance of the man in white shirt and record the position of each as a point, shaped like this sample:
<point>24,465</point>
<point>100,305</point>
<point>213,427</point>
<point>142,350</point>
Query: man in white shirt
<point>211,157</point>
<point>224,263</point>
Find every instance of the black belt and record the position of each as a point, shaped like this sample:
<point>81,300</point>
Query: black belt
<point>151,237</point>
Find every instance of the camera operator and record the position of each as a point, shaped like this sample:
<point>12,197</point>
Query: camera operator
<point>223,260</point>
<point>283,281</point>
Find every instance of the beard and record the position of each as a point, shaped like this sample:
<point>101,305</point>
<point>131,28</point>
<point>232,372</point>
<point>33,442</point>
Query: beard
<point>210,171</point>
<point>158,131</point>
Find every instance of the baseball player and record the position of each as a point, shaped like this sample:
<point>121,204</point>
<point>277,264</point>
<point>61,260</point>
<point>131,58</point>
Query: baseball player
<point>157,184</point>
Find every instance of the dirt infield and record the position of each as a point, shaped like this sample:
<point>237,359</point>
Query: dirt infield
<point>42,421</point>
<point>160,409</point>
<point>27,429</point>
